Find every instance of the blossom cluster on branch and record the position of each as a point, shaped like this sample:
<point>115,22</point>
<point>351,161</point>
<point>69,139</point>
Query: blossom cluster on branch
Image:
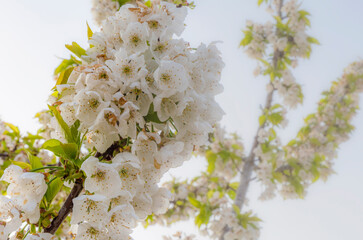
<point>123,112</point>
<point>138,102</point>
<point>102,9</point>
<point>288,169</point>
<point>209,197</point>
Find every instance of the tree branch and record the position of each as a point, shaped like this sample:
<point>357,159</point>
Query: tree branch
<point>249,163</point>
<point>66,208</point>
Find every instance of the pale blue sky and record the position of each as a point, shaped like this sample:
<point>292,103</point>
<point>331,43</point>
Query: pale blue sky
<point>33,34</point>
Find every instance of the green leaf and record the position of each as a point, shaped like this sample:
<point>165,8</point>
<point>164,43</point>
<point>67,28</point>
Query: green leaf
<point>23,165</point>
<point>234,185</point>
<point>236,209</point>
<point>66,63</point>
<point>34,161</point>
<point>203,216</point>
<point>313,40</point>
<point>76,49</point>
<point>314,170</point>
<point>262,119</point>
<point>299,189</point>
<point>303,16</point>
<point>275,106</point>
<point>260,2</point>
<point>148,3</point>
<point>53,188</point>
<point>210,194</point>
<point>63,124</point>
<point>121,2</point>
<point>292,143</point>
<point>179,203</point>
<point>275,118</point>
<point>247,38</point>
<point>225,155</point>
<point>89,32</point>
<point>67,151</point>
<point>211,158</point>
<point>64,75</point>
<point>194,202</point>
<point>280,25</point>
<point>231,193</point>
<point>75,133</point>
<point>152,116</point>
<point>13,128</point>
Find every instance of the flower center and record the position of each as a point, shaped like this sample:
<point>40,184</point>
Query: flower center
<point>153,24</point>
<point>103,75</point>
<point>90,204</point>
<point>159,48</point>
<point>100,175</point>
<point>135,40</point>
<point>92,231</point>
<point>149,78</point>
<point>165,77</point>
<point>111,118</point>
<point>123,172</point>
<point>127,70</point>
<point>93,103</point>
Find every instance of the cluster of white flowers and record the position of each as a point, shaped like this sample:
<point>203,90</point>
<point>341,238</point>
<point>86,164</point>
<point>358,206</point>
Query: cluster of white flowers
<point>148,92</point>
<point>297,23</point>
<point>287,40</point>
<point>102,9</point>
<point>13,145</point>
<point>258,34</point>
<point>289,89</point>
<point>267,159</point>
<point>223,216</point>
<point>6,142</point>
<point>317,143</point>
<point>24,193</point>
<point>213,193</point>
<point>310,156</point>
<point>228,153</point>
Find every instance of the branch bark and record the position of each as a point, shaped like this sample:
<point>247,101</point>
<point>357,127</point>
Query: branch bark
<point>250,160</point>
<point>66,208</point>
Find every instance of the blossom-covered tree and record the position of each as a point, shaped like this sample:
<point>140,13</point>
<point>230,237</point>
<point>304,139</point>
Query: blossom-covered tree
<point>138,101</point>
<point>217,197</point>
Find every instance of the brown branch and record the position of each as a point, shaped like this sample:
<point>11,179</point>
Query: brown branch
<point>108,154</point>
<point>66,208</point>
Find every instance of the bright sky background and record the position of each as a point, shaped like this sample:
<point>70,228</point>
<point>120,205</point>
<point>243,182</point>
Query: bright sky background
<point>33,34</point>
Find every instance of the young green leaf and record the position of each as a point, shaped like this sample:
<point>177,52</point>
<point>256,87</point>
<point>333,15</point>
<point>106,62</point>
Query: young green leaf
<point>194,202</point>
<point>34,161</point>
<point>53,188</point>
<point>89,32</point>
<point>23,165</point>
<point>211,158</point>
<point>67,151</point>
<point>64,75</point>
<point>76,49</point>
<point>63,124</point>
